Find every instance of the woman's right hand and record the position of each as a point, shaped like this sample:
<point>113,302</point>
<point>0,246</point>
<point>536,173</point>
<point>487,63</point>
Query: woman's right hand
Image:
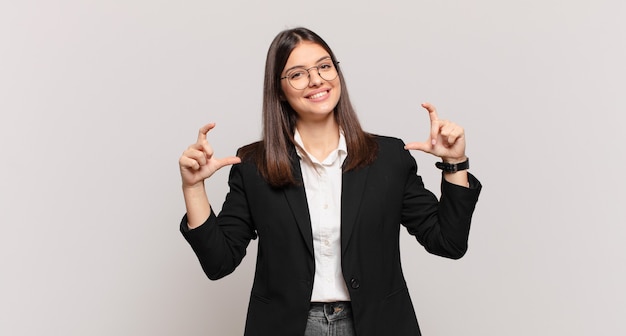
<point>198,163</point>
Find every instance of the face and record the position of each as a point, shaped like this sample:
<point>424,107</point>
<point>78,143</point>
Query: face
<point>319,97</point>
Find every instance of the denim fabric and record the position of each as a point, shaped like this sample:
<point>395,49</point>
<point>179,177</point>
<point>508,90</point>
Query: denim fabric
<point>330,319</point>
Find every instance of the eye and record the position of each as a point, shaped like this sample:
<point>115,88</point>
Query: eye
<point>325,66</point>
<point>297,75</point>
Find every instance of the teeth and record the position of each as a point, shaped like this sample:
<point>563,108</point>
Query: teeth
<point>318,95</point>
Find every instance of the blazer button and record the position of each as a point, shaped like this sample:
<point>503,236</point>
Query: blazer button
<point>354,283</point>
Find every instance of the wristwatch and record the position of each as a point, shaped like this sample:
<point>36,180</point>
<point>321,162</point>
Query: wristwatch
<point>453,167</point>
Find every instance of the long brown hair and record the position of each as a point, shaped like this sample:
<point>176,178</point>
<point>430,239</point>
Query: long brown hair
<point>273,154</point>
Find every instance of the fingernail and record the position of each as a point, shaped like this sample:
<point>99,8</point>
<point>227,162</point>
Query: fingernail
<point>433,141</point>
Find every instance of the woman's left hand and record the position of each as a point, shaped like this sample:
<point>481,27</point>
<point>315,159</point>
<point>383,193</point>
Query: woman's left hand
<point>447,139</point>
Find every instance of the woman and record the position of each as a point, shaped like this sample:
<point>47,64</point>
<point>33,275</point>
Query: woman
<point>326,201</point>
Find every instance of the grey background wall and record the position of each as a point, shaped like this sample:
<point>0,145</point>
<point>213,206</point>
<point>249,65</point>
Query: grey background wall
<point>99,98</point>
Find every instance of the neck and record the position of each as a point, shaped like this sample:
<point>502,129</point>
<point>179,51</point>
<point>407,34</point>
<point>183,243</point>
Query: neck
<point>319,138</point>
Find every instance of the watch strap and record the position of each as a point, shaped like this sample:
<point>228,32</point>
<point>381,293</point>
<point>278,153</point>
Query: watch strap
<point>453,167</point>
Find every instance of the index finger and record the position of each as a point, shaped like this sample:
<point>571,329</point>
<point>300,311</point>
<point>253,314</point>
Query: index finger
<point>434,127</point>
<point>432,111</point>
<point>204,130</point>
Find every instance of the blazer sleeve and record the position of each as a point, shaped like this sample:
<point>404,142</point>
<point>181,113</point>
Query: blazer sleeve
<point>220,242</point>
<point>441,226</point>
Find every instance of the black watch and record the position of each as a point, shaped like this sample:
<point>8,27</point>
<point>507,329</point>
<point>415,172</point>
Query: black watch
<point>453,167</point>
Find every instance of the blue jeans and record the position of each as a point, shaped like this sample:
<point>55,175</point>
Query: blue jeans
<point>330,319</point>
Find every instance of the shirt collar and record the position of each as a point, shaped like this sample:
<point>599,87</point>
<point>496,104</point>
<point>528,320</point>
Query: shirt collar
<point>341,151</point>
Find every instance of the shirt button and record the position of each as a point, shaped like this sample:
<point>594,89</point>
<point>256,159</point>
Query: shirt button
<point>325,206</point>
<point>326,242</point>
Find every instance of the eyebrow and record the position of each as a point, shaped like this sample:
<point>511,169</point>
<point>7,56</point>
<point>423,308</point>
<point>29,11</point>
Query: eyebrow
<point>302,66</point>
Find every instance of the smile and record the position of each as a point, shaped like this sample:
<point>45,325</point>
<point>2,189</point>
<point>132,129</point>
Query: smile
<point>318,95</point>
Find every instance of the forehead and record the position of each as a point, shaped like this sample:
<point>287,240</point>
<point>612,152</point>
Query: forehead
<point>305,54</point>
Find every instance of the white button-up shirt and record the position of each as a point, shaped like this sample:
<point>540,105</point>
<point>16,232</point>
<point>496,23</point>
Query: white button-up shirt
<point>322,184</point>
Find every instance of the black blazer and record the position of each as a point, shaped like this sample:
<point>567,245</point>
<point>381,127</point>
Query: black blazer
<point>375,201</point>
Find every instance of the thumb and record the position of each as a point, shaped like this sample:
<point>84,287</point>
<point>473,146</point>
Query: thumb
<point>421,146</point>
<point>223,162</point>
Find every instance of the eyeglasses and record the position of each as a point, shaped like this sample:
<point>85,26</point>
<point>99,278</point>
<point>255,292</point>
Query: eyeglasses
<point>300,78</point>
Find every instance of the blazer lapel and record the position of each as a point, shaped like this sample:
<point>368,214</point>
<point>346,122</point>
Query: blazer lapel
<point>296,197</point>
<point>352,190</point>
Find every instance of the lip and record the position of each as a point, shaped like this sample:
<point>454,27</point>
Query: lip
<point>312,93</point>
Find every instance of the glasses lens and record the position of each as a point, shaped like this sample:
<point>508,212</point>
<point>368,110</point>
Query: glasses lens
<point>299,79</point>
<point>327,71</point>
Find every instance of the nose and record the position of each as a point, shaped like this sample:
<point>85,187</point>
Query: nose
<point>314,77</point>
